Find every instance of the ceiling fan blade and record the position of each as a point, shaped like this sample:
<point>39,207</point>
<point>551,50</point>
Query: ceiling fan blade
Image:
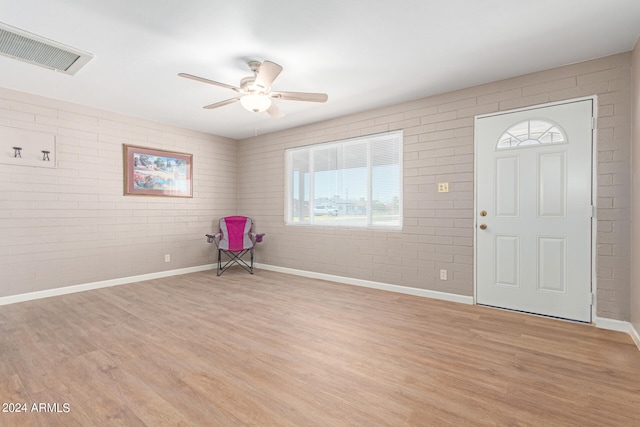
<point>211,82</point>
<point>269,71</point>
<point>221,103</point>
<point>275,112</point>
<point>300,96</point>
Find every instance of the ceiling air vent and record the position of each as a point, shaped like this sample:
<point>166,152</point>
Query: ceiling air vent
<point>34,49</point>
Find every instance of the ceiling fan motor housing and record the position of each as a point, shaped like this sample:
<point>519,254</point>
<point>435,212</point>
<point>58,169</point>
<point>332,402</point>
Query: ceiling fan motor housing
<point>249,85</point>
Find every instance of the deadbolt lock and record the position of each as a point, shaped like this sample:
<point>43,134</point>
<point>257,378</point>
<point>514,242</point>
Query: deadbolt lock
<point>483,213</point>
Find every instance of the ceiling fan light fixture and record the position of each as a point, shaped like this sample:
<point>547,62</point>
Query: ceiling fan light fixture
<point>254,92</point>
<point>256,103</point>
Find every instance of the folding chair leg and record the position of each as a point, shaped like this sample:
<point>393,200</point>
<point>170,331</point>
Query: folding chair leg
<point>234,258</point>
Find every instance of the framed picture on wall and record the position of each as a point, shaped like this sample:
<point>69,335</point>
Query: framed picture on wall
<point>150,172</point>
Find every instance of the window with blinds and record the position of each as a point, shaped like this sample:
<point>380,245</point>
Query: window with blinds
<point>350,183</point>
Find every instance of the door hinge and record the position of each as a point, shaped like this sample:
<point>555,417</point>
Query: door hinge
<point>593,212</point>
<point>593,123</point>
<point>592,298</point>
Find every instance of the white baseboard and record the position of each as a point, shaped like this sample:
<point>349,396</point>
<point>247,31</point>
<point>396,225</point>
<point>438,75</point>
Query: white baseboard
<point>612,324</point>
<point>620,326</point>
<point>600,322</point>
<point>132,279</point>
<point>370,284</point>
<point>634,335</point>
<point>102,284</point>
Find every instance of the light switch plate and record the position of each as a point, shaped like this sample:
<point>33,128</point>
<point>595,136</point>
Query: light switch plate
<point>443,187</point>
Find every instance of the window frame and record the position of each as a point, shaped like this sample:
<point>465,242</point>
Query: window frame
<point>394,137</point>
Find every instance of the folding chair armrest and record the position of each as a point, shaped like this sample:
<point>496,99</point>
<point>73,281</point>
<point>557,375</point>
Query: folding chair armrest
<point>213,238</point>
<point>257,237</point>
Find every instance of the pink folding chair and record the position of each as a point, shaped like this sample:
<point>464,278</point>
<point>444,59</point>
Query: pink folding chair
<point>235,239</point>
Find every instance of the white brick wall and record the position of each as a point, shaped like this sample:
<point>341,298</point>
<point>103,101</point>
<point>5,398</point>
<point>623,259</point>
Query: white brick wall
<point>438,147</point>
<point>73,225</point>
<point>635,234</point>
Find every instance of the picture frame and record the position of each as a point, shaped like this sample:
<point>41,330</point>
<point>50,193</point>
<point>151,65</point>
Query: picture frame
<point>152,172</point>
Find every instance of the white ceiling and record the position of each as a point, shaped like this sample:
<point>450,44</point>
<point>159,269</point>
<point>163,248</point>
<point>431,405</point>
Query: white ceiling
<point>363,53</point>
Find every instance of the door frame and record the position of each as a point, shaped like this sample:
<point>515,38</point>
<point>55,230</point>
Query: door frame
<point>594,187</point>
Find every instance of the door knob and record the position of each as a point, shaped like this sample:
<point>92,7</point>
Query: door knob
<point>483,226</point>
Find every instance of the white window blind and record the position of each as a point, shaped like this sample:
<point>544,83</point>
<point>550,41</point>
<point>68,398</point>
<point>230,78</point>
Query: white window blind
<point>350,183</point>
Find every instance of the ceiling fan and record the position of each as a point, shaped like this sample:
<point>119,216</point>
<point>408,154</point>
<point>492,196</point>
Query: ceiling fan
<point>255,92</point>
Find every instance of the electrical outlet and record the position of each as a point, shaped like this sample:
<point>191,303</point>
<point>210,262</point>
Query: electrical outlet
<point>443,274</point>
<point>167,258</point>
<point>443,187</point>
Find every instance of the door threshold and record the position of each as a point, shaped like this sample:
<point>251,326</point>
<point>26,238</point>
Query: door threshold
<point>581,322</point>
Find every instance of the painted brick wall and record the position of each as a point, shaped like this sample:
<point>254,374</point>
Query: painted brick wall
<point>635,259</point>
<point>73,225</point>
<point>438,147</point>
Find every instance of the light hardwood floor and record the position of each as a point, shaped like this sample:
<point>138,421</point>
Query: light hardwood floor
<point>279,350</point>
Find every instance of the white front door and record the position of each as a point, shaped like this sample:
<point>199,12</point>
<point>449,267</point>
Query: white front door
<point>534,210</point>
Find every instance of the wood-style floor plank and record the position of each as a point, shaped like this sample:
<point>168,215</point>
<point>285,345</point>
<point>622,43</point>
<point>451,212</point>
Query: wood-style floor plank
<point>278,350</point>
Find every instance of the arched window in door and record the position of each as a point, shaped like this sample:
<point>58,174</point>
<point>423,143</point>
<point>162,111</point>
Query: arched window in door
<point>531,132</point>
